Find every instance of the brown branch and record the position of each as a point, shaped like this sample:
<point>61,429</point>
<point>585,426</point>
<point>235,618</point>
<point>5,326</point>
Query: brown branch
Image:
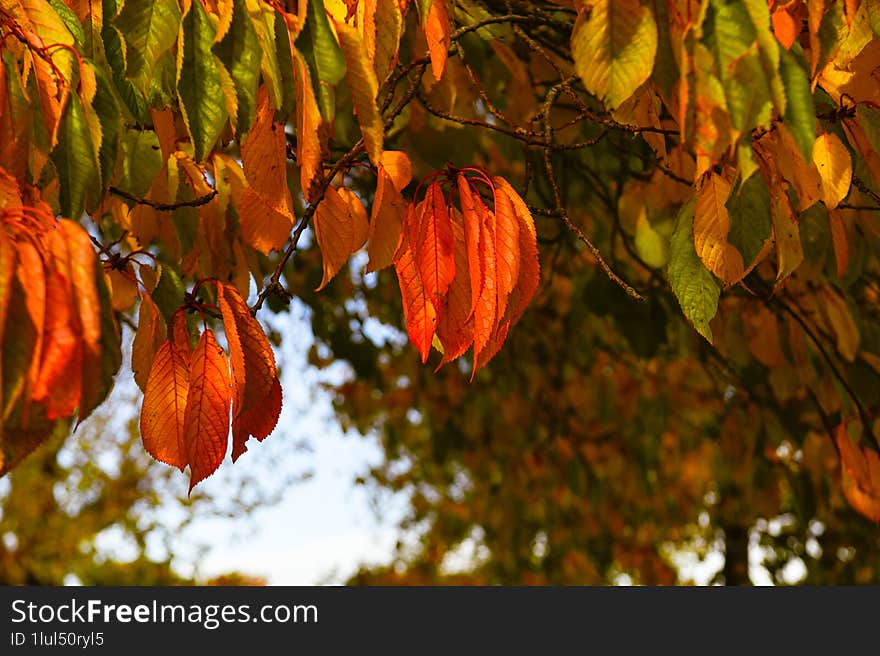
<point>860,184</point>
<point>165,207</point>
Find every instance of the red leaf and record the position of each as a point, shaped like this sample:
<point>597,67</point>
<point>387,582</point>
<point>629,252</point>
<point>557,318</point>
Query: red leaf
<point>506,248</point>
<point>206,420</point>
<point>433,251</point>
<point>164,406</point>
<point>455,329</point>
<point>485,310</point>
<point>472,221</point>
<point>529,276</point>
<point>418,311</point>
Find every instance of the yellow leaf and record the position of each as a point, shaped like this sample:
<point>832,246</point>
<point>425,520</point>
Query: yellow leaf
<point>711,226</point>
<point>364,88</point>
<point>835,168</point>
<point>613,44</point>
<point>359,226</point>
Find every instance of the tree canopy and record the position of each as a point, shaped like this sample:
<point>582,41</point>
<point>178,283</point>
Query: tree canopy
<point>645,231</point>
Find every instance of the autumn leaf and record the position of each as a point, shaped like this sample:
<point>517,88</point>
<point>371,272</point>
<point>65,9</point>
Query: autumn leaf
<point>164,406</point>
<point>151,332</point>
<point>860,471</point>
<point>835,168</point>
<point>419,312</point>
<point>206,418</point>
<point>433,248</point>
<point>613,44</point>
<point>364,88</point>
<point>266,208</point>
<point>256,403</point>
<point>386,221</point>
<point>334,229</point>
<point>437,26</point>
<point>455,328</point>
<point>711,227</point>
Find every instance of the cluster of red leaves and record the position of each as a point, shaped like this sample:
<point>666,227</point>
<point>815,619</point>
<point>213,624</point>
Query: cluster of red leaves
<point>55,330</point>
<point>466,275</point>
<point>185,417</point>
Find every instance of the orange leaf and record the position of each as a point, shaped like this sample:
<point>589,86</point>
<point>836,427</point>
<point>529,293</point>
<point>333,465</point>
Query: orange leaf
<point>334,230</point>
<point>506,249</point>
<point>259,421</point>
<point>485,310</point>
<point>150,334</point>
<point>308,121</point>
<point>839,241</point>
<point>358,213</point>
<point>386,221</point>
<point>433,251</point>
<point>472,218</point>
<point>206,420</point>
<point>438,32</point>
<point>529,267</point>
<point>24,328</point>
<point>253,371</point>
<point>418,311</point>
<point>164,406</point>
<point>59,382</point>
<point>860,471</point>
<point>455,328</point>
<point>785,27</point>
<point>122,286</point>
<point>7,269</point>
<point>398,167</point>
<point>83,264</point>
<point>266,209</point>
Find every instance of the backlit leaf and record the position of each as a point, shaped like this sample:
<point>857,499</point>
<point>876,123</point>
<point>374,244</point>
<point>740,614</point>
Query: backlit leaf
<point>419,312</point>
<point>334,230</point>
<point>386,221</point>
<point>613,44</point>
<point>711,226</point>
<point>199,84</point>
<point>364,88</point>
<point>151,332</point>
<point>206,419</point>
<point>835,168</point>
<point>164,406</point>
<point>694,286</point>
<point>438,30</point>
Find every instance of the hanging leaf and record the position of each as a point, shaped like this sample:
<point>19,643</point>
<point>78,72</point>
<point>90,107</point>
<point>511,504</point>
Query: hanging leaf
<point>266,208</point>
<point>419,312</point>
<point>694,286</point>
<point>150,334</point>
<point>206,419</point>
<point>199,84</point>
<point>711,227</point>
<point>364,88</point>
<point>164,407</point>
<point>386,221</point>
<point>334,230</point>
<point>860,473</point>
<point>835,168</point>
<point>149,30</point>
<point>438,32</point>
<point>613,44</point>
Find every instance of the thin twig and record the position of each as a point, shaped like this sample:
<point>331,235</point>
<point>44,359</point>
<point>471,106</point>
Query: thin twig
<point>165,207</point>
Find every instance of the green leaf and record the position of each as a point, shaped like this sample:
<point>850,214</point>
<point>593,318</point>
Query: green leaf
<point>199,85</point>
<point>114,50</point>
<point>169,292</point>
<point>149,29</point>
<point>323,55</point>
<point>76,161</point>
<point>72,23</point>
<point>107,110</point>
<point>240,51</point>
<point>613,45</point>
<point>800,114</point>
<point>751,222</point>
<point>285,64</point>
<point>873,8</point>
<point>141,161</point>
<point>694,286</point>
